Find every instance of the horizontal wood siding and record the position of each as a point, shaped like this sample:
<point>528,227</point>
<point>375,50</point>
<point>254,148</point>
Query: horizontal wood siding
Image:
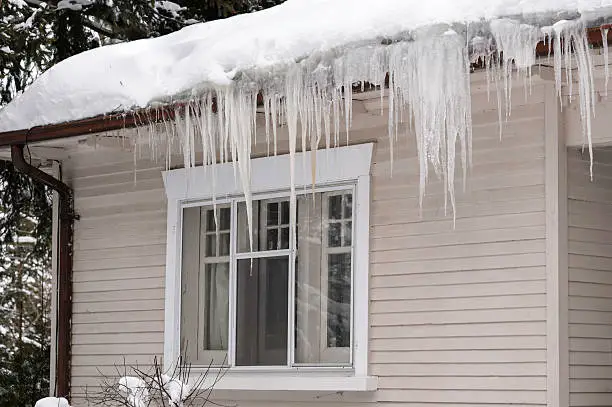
<point>119,265</point>
<point>458,308</point>
<point>590,275</point>
<point>457,305</point>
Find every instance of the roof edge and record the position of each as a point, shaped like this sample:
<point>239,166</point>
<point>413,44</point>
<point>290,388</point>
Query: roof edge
<point>135,118</point>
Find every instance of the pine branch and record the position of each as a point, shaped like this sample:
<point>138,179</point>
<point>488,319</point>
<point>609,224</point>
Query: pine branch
<point>100,28</point>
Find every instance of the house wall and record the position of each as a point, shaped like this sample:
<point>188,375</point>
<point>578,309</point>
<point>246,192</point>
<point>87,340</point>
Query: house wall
<point>458,309</point>
<point>119,264</point>
<point>590,278</point>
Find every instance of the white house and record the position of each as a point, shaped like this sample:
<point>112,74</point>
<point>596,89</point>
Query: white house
<point>309,264</point>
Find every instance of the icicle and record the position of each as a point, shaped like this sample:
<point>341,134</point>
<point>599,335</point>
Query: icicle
<point>516,43</point>
<point>573,36</point>
<point>429,93</point>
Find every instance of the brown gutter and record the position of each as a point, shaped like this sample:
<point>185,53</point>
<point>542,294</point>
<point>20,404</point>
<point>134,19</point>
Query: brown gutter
<point>92,125</point>
<point>64,273</point>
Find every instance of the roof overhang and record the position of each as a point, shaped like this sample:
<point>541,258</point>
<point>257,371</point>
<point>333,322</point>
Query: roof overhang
<point>147,116</point>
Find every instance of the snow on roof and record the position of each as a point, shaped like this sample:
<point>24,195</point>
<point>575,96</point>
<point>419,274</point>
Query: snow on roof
<point>303,57</point>
<point>137,74</point>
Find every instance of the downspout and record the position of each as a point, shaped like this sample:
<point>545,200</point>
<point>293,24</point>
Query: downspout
<point>64,269</point>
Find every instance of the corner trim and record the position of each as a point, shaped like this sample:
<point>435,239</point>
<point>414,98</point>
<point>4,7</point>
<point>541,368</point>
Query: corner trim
<point>557,342</point>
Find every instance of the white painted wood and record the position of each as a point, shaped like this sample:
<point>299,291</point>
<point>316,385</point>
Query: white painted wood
<point>557,384</point>
<point>271,173</point>
<point>310,383</point>
<point>446,301</point>
<point>590,282</point>
<point>341,164</point>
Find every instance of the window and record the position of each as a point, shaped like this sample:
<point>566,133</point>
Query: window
<point>272,300</point>
<point>290,301</point>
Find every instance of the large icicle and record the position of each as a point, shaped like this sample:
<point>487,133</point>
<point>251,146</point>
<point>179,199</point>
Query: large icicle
<point>516,48</point>
<point>429,77</point>
<point>429,89</point>
<point>571,36</point>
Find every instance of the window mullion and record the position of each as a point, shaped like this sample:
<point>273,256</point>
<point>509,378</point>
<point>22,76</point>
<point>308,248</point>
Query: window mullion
<point>262,254</point>
<point>352,251</point>
<point>291,288</point>
<point>232,285</point>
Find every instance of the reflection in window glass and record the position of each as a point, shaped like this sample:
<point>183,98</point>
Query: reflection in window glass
<point>321,265</point>
<point>214,283</point>
<point>323,279</point>
<point>270,225</point>
<point>262,311</point>
<point>205,285</point>
<point>338,300</point>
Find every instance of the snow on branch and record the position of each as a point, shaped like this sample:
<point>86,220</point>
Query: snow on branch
<point>135,386</point>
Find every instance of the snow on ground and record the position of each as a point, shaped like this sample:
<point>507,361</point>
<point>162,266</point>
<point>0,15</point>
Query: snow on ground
<point>52,402</point>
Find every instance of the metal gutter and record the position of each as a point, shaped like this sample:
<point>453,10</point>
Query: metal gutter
<point>64,247</point>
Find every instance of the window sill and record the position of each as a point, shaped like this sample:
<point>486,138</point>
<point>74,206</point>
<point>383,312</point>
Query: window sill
<point>269,381</point>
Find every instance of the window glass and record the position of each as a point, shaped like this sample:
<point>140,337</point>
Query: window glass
<point>262,311</point>
<point>273,283</point>
<point>205,284</point>
<point>323,279</point>
<point>270,225</point>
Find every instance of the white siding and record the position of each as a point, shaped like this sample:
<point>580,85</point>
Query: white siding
<point>590,275</point>
<point>119,264</point>
<point>457,309</point>
<point>459,314</point>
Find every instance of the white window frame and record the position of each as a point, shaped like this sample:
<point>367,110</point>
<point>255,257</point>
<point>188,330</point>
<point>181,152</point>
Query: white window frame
<point>350,164</point>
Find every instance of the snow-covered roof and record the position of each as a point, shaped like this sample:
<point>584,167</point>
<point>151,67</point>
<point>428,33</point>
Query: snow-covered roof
<point>140,73</point>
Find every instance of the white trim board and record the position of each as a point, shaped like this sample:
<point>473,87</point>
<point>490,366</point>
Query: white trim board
<point>271,173</point>
<point>335,165</point>
<point>557,346</point>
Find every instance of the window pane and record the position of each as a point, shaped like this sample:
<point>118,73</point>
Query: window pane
<point>335,207</point>
<point>224,244</point>
<point>210,220</point>
<point>284,238</point>
<point>315,287</point>
<point>261,311</point>
<point>270,218</point>
<point>214,300</point>
<point>348,206</point>
<point>224,218</point>
<point>339,300</point>
<point>285,213</point>
<point>211,245</point>
<point>205,289</point>
<point>272,236</point>
<point>223,215</point>
<point>348,233</point>
<point>335,234</point>
<point>272,213</point>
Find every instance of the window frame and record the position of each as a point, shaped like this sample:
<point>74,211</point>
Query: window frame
<point>335,168</point>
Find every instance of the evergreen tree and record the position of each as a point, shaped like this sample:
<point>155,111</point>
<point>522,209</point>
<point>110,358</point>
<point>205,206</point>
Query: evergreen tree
<point>25,231</point>
<point>34,35</point>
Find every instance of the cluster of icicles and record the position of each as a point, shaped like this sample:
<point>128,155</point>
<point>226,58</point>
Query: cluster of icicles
<point>428,88</point>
